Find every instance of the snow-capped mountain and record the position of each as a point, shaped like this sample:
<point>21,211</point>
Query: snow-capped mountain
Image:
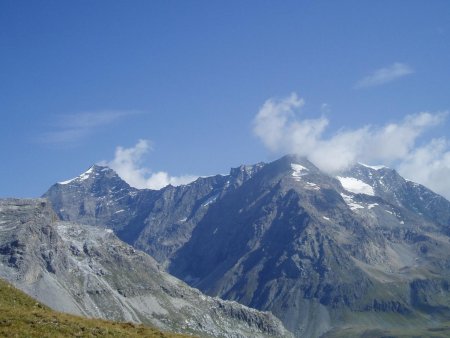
<point>364,249</point>
<point>100,197</point>
<point>389,185</point>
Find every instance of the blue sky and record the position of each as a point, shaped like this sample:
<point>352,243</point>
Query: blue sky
<point>189,78</point>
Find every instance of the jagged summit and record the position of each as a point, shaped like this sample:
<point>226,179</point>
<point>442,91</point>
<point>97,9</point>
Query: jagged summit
<point>373,167</point>
<point>284,163</point>
<point>319,251</point>
<point>92,172</point>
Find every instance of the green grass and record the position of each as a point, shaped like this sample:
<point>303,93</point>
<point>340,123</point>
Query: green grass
<point>22,316</point>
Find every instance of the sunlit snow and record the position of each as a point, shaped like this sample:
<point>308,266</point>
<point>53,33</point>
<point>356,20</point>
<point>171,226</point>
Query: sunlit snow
<point>210,200</point>
<point>82,177</point>
<point>312,186</point>
<point>352,204</point>
<point>356,186</point>
<point>298,171</point>
<point>374,167</point>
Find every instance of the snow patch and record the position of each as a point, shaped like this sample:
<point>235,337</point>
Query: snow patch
<point>352,204</point>
<point>85,175</point>
<point>325,217</point>
<point>374,167</point>
<point>68,181</point>
<point>82,177</point>
<point>370,206</point>
<point>356,186</point>
<point>312,185</point>
<point>298,171</point>
<point>210,200</point>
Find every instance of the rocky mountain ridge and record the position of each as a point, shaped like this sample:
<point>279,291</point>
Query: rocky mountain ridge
<point>100,197</point>
<point>87,271</point>
<point>364,248</point>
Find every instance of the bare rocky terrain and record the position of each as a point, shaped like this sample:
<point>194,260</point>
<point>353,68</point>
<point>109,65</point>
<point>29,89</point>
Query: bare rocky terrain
<point>363,249</point>
<point>88,271</point>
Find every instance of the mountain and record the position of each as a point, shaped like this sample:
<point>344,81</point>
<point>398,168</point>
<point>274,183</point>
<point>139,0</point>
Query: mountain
<point>156,221</point>
<point>393,188</point>
<point>366,249</point>
<point>88,271</point>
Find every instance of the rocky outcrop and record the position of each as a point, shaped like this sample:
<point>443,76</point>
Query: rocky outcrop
<point>88,271</point>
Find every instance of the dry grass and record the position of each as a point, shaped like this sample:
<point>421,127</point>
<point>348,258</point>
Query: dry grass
<point>22,316</point>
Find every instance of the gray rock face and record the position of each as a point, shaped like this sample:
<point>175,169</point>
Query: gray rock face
<point>156,221</point>
<point>365,248</point>
<point>86,270</point>
<point>416,198</point>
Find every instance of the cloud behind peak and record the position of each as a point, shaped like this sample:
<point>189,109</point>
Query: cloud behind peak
<point>280,128</point>
<point>127,163</point>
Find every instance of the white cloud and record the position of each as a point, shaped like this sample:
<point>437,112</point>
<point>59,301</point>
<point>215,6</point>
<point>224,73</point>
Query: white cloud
<point>385,75</point>
<point>394,144</point>
<point>127,163</point>
<point>273,117</point>
<point>71,128</point>
<point>430,166</point>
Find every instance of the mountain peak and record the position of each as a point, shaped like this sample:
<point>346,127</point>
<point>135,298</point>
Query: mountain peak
<point>374,167</point>
<point>292,159</point>
<point>93,171</point>
<point>246,171</point>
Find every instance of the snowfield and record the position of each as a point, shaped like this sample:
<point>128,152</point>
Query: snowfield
<point>356,186</point>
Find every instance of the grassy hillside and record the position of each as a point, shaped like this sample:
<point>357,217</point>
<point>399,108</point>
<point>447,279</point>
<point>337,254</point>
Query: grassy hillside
<point>22,316</point>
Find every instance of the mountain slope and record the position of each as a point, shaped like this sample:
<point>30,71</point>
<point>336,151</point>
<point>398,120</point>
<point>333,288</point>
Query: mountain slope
<point>86,270</point>
<point>320,252</point>
<point>158,222</point>
<point>393,188</point>
<point>317,255</point>
<point>23,316</point>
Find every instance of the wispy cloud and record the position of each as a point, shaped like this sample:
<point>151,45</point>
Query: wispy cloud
<point>127,163</point>
<point>72,128</point>
<point>385,75</point>
<point>394,144</point>
<point>429,165</point>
